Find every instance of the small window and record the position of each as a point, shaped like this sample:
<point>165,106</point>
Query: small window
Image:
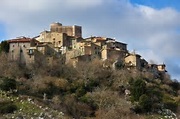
<point>30,51</point>
<point>21,50</point>
<point>24,46</point>
<point>13,45</point>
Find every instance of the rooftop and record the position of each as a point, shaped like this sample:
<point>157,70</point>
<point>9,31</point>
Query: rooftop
<point>20,39</point>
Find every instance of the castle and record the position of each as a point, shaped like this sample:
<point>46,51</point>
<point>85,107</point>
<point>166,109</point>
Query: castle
<point>67,42</point>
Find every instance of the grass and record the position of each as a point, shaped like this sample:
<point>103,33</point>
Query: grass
<point>26,108</point>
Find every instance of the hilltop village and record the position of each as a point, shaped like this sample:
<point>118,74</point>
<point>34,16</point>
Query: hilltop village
<point>61,75</point>
<point>66,44</point>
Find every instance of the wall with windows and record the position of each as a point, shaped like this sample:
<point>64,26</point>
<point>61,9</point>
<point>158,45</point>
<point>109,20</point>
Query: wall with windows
<point>18,51</point>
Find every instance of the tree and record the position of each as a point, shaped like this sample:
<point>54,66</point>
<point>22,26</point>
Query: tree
<point>138,88</point>
<point>145,103</point>
<point>4,46</point>
<point>7,84</point>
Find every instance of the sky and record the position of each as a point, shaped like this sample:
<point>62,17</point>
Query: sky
<point>150,27</point>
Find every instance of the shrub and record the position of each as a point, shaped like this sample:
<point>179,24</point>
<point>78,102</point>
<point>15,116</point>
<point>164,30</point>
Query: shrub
<point>7,84</point>
<point>138,88</point>
<point>145,103</point>
<point>4,46</point>
<point>175,85</point>
<point>170,103</point>
<point>7,107</point>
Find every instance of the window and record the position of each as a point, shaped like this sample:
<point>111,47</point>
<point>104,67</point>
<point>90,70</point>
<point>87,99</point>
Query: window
<point>30,51</point>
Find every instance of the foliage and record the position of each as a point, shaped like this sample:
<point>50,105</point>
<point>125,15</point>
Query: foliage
<point>7,107</point>
<point>90,89</point>
<point>138,88</point>
<point>7,84</point>
<point>170,103</point>
<point>175,85</point>
<point>145,103</point>
<point>4,46</point>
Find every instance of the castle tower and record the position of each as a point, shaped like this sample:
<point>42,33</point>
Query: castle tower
<point>69,30</point>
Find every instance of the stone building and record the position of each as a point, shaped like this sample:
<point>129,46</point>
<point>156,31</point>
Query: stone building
<point>83,51</point>
<point>161,67</point>
<point>100,41</point>
<point>60,36</point>
<point>19,49</point>
<point>133,60</point>
<point>113,50</point>
<point>67,44</point>
<point>69,30</point>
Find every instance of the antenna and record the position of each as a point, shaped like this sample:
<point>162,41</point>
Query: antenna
<point>134,51</point>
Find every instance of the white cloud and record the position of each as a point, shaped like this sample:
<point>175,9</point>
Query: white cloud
<point>83,3</point>
<point>152,32</point>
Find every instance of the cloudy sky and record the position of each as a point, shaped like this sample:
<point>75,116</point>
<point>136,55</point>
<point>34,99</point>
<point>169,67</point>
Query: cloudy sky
<point>150,27</point>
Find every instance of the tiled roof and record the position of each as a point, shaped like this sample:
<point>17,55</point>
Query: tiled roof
<point>100,39</point>
<point>21,39</point>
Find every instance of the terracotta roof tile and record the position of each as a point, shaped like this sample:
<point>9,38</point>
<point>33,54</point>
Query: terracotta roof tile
<point>22,39</point>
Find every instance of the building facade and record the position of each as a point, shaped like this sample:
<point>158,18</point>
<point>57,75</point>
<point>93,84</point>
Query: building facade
<point>19,48</point>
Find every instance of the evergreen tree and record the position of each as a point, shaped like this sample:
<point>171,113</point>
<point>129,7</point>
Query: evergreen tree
<point>4,47</point>
<point>138,88</point>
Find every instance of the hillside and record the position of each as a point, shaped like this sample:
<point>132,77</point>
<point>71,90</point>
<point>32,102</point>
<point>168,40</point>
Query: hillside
<point>87,90</point>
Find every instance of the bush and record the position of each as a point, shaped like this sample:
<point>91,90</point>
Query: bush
<point>4,46</point>
<point>7,107</point>
<point>7,84</point>
<point>145,103</point>
<point>138,88</point>
<point>170,103</point>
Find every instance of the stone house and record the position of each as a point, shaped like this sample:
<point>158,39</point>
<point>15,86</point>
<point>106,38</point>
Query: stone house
<point>19,49</point>
<point>69,30</point>
<point>67,42</point>
<point>161,67</point>
<point>133,60</point>
<point>109,48</point>
<point>60,36</point>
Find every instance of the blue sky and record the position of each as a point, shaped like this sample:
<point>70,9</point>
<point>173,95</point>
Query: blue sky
<point>151,27</point>
<point>2,32</point>
<point>158,3</point>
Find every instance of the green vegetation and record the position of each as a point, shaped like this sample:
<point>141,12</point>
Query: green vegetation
<point>7,107</point>
<point>4,46</point>
<point>88,90</point>
<point>7,84</point>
